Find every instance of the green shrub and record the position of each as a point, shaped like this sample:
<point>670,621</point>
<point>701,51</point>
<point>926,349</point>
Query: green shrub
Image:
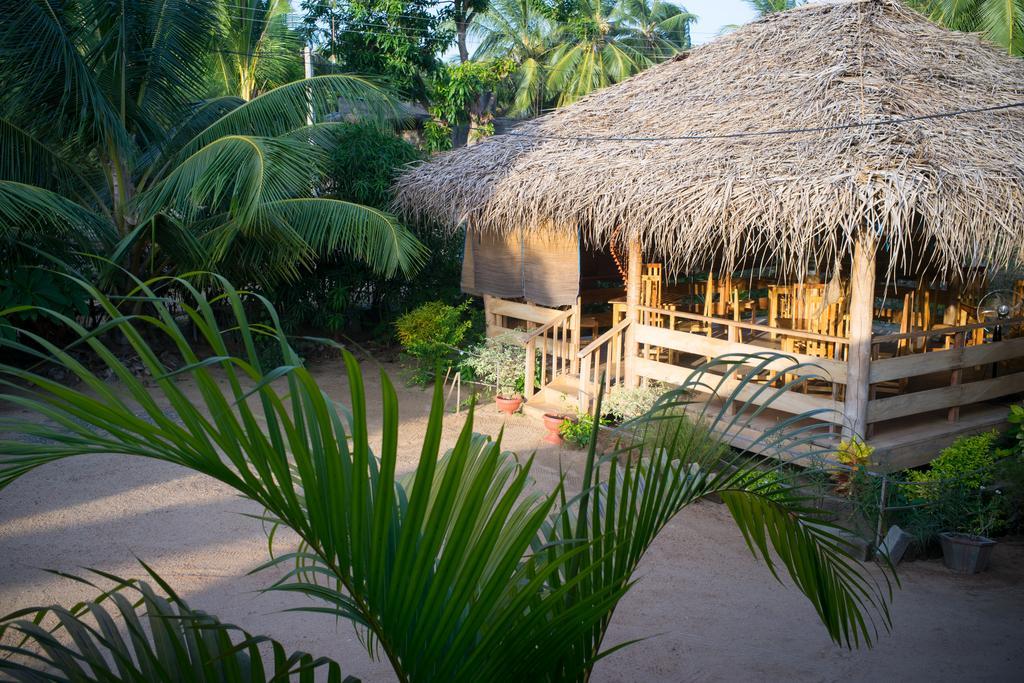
<point>578,431</point>
<point>500,361</point>
<point>967,462</point>
<point>1012,441</point>
<point>623,404</point>
<point>431,334</point>
<point>766,482</point>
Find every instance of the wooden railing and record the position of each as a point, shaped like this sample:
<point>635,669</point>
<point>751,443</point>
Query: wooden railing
<point>974,373</point>
<point>557,342</point>
<point>605,355</point>
<point>661,343</point>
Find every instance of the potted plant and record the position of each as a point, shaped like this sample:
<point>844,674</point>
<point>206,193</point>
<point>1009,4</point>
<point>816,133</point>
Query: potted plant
<point>501,361</point>
<point>553,425</point>
<point>852,454</point>
<point>967,549</point>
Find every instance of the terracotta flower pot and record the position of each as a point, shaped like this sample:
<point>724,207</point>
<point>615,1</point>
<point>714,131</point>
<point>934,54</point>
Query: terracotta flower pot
<point>553,423</point>
<point>508,405</point>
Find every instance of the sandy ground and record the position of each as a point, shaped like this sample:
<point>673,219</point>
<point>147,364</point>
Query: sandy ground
<point>713,612</point>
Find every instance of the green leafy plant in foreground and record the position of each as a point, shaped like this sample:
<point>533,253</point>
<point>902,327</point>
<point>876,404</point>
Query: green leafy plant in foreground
<point>167,641</point>
<point>461,570</point>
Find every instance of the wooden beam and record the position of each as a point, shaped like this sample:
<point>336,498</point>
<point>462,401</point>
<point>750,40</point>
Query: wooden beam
<point>825,409</point>
<point>862,305</point>
<point>916,364</point>
<point>945,397</point>
<point>633,269</point>
<point>521,311</point>
<point>700,345</point>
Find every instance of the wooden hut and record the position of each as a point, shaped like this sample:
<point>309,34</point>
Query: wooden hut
<point>837,181</point>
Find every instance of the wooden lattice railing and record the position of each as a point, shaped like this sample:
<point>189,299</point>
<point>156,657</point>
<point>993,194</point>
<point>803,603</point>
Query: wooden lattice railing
<point>554,346</point>
<point>602,360</point>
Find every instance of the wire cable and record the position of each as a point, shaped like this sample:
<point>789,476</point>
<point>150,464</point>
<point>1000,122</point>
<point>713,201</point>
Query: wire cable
<point>777,131</point>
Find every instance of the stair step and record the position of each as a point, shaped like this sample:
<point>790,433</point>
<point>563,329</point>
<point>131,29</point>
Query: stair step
<point>538,407</point>
<point>559,397</point>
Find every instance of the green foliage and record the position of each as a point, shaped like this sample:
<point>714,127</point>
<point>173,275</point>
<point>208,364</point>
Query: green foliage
<point>967,463</point>
<point>767,482</point>
<point>999,21</point>
<point>601,43</point>
<point>456,87</point>
<point>38,288</point>
<point>397,40</point>
<point>957,492</point>
<point>624,404</point>
<point>854,453</point>
<point>437,136</point>
<point>255,50</point>
<point>168,641</point>
<point>365,162</point>
<point>579,430</point>
<point>432,334</point>
<point>107,136</point>
<point>1012,441</point>
<point>500,361</point>
<point>339,296</point>
<point>766,7</point>
<point>458,571</point>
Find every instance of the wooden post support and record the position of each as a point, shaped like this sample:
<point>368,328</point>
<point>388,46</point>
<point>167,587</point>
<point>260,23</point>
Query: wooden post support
<point>862,304</point>
<point>632,310</point>
<point>584,391</point>
<point>956,376</point>
<point>531,367</point>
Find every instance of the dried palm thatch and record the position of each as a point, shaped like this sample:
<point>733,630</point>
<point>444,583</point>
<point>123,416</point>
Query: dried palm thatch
<point>942,192</point>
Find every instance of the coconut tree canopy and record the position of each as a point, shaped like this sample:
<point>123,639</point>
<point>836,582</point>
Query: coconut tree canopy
<point>787,139</point>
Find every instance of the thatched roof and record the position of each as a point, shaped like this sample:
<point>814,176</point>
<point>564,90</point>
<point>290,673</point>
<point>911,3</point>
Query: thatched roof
<point>947,191</point>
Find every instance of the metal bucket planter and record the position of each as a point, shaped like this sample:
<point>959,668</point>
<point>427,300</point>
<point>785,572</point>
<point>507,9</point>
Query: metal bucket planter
<point>965,553</point>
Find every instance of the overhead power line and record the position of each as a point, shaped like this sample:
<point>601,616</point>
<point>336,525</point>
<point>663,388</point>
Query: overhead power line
<point>778,131</point>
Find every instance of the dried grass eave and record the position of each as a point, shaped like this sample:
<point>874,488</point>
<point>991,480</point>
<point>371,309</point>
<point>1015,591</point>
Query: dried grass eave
<point>945,193</point>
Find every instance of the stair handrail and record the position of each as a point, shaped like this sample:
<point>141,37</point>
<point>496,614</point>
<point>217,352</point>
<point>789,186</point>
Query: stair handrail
<point>584,357</point>
<point>558,319</point>
<point>530,342</point>
<point>594,345</point>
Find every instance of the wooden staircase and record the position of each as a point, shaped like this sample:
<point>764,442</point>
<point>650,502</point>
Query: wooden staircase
<point>559,397</point>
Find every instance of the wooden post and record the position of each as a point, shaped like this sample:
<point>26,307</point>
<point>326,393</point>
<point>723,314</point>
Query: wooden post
<point>577,316</point>
<point>956,376</point>
<point>531,367</point>
<point>862,304</point>
<point>632,309</point>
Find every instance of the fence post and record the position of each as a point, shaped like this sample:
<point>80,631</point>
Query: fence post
<point>881,512</point>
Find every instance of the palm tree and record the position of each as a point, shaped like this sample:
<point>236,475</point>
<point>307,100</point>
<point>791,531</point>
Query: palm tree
<point>106,146</point>
<point>605,42</point>
<point>1000,21</point>
<point>515,29</point>
<point>256,49</point>
<point>656,29</point>
<point>459,571</point>
<point>766,7</point>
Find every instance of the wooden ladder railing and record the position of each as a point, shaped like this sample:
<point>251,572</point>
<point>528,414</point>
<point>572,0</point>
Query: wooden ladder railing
<point>557,342</point>
<point>608,351</point>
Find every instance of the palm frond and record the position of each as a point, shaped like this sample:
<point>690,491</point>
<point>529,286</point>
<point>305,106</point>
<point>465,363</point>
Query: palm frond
<point>27,210</point>
<point>173,41</point>
<point>364,233</point>
<point>288,107</point>
<point>238,174</point>
<point>134,632</point>
<point>47,77</point>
